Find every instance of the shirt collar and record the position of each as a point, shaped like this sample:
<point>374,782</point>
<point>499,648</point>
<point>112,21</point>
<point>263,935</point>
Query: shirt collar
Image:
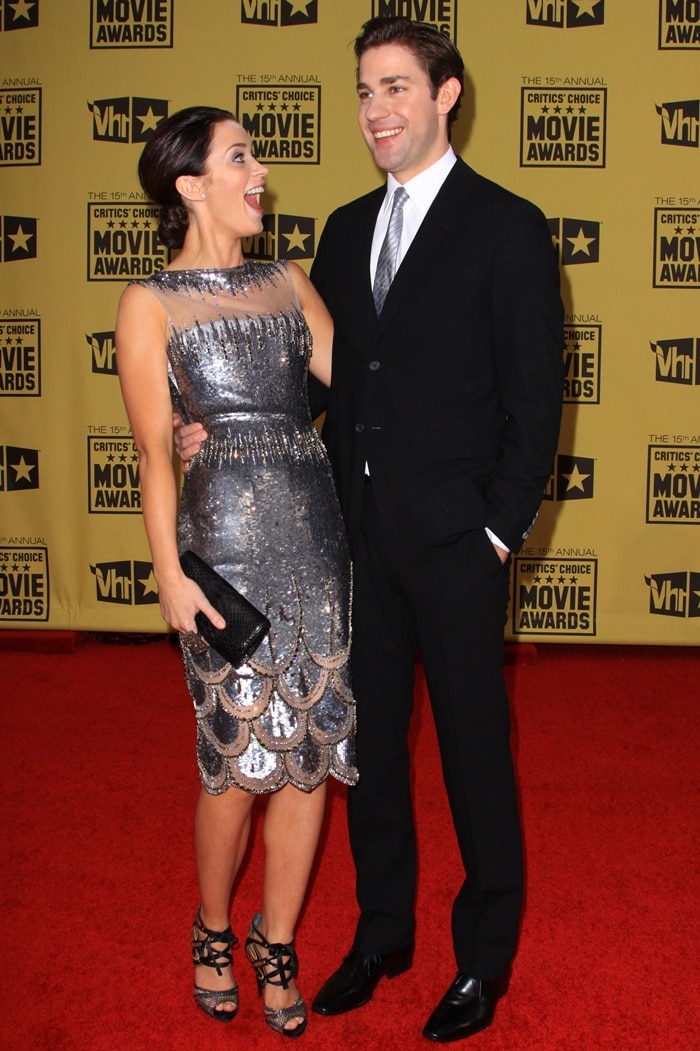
<point>424,187</point>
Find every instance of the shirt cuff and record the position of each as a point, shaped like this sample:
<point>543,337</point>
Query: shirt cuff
<point>494,540</point>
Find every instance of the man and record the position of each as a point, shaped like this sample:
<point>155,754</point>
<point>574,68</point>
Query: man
<point>442,423</point>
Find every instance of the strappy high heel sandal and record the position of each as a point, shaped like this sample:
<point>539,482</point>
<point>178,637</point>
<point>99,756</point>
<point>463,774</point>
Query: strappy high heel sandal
<point>215,949</point>
<point>275,964</point>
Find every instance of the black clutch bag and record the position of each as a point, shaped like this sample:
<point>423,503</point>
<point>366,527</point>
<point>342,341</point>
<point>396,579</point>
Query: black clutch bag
<point>246,626</point>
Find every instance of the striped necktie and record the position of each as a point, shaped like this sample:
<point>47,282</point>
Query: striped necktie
<point>386,264</point>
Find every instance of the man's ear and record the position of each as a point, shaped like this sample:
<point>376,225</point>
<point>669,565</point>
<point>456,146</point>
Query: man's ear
<point>190,187</point>
<point>447,94</point>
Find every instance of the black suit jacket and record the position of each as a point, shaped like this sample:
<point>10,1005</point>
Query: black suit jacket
<point>453,396</point>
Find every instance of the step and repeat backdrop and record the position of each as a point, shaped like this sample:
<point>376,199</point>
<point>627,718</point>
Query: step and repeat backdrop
<point>591,108</point>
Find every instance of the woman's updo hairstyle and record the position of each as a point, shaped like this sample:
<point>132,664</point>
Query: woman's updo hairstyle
<point>178,146</point>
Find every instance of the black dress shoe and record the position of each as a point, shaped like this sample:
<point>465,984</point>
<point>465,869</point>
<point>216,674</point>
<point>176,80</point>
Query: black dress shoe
<point>354,982</point>
<point>467,1007</point>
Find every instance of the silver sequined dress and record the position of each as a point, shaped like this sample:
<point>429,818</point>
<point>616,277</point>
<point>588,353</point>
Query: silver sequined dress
<point>259,505</point>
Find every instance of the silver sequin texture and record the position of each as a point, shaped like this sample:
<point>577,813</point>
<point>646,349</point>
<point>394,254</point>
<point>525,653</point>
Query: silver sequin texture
<point>259,505</point>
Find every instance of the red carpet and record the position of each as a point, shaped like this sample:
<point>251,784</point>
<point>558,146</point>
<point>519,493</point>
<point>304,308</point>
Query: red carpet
<point>98,884</point>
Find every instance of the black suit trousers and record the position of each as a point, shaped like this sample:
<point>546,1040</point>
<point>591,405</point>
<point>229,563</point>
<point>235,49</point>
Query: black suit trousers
<point>449,603</point>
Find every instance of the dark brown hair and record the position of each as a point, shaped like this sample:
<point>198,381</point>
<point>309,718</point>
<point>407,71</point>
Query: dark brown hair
<point>434,51</point>
<point>179,146</point>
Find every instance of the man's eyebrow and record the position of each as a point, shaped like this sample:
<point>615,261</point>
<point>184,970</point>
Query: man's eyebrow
<point>385,80</point>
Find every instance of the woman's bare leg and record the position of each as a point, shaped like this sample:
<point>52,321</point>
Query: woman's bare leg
<point>222,826</point>
<point>292,828</point>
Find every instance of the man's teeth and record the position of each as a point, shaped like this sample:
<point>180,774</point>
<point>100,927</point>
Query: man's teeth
<point>387,134</point>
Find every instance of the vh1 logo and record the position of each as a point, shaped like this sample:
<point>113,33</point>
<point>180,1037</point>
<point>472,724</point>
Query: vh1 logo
<point>103,352</point>
<point>565,14</point>
<point>680,122</point>
<point>126,119</point>
<point>677,361</point>
<point>577,241</point>
<point>674,594</point>
<point>21,15</point>
<point>19,468</point>
<point>573,478</point>
<point>282,237</point>
<point>19,238</point>
<point>279,12</point>
<point>125,582</point>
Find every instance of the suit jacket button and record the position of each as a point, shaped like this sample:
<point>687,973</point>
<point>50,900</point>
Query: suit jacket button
<point>359,427</point>
<point>374,365</point>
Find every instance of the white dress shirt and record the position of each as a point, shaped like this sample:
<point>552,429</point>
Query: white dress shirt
<point>422,190</point>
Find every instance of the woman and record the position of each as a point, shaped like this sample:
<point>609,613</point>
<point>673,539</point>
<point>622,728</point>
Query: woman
<point>229,342</point>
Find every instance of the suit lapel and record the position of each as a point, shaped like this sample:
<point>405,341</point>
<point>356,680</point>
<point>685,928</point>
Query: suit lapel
<point>358,249</point>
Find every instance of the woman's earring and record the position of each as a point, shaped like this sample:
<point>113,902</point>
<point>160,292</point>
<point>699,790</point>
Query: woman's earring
<point>204,197</point>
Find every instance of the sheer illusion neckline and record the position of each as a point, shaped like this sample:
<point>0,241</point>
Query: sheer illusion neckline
<point>251,270</point>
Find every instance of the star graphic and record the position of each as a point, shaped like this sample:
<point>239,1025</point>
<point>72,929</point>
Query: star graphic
<point>576,479</point>
<point>21,9</point>
<point>19,240</point>
<point>149,585</point>
<point>23,469</point>
<point>149,121</point>
<point>580,243</point>
<point>298,7</point>
<point>296,239</point>
<point>585,7</point>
